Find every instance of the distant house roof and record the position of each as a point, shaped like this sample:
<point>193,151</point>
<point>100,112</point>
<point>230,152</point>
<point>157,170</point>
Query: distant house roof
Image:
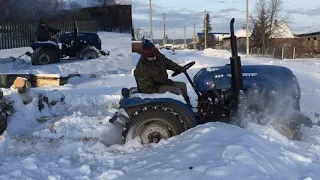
<point>315,30</point>
<point>242,33</point>
<point>282,30</point>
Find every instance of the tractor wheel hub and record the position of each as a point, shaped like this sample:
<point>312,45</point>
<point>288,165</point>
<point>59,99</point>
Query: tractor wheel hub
<point>44,58</point>
<point>154,137</point>
<point>153,133</point>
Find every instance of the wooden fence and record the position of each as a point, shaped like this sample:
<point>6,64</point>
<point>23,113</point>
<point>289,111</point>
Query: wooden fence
<point>17,35</point>
<point>285,52</point>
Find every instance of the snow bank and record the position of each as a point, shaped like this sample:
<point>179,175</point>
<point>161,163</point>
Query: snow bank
<point>217,53</point>
<point>220,151</point>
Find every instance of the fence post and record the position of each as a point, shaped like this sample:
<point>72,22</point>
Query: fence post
<point>266,53</point>
<point>294,53</point>
<point>274,50</point>
<point>282,52</point>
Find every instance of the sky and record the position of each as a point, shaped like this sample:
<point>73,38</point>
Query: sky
<point>180,13</point>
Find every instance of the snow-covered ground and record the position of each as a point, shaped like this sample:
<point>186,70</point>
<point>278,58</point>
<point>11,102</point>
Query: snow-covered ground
<point>74,140</point>
<point>119,60</point>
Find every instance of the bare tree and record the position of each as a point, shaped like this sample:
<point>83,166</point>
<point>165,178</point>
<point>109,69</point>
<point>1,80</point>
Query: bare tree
<point>269,22</point>
<point>138,32</point>
<point>145,35</point>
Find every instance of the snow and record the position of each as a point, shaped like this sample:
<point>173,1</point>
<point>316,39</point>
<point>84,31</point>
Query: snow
<point>159,95</point>
<point>118,61</point>
<point>73,138</point>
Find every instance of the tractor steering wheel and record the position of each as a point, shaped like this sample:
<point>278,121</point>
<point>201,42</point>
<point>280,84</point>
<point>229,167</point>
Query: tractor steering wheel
<point>183,69</point>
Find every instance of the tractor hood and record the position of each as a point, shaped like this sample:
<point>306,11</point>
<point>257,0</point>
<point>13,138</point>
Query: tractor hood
<point>260,77</point>
<point>70,35</point>
<point>91,37</point>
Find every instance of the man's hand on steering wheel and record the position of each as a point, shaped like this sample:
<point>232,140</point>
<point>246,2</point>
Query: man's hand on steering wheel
<point>183,69</point>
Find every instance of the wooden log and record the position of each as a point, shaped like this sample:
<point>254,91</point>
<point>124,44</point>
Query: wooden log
<point>22,84</point>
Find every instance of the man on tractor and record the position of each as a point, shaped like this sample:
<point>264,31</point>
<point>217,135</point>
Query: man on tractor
<point>151,73</point>
<point>44,30</point>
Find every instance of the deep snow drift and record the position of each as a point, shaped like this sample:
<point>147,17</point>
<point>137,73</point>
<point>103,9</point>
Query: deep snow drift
<point>119,60</point>
<point>70,139</point>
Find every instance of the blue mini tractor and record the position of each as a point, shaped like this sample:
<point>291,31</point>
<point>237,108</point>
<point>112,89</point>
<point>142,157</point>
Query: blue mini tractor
<point>222,93</point>
<point>78,45</point>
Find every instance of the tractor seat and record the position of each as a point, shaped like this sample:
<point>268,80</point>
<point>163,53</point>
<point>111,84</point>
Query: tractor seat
<point>127,92</point>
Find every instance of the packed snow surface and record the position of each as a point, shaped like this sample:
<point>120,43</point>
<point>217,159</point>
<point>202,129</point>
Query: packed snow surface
<point>73,139</point>
<point>119,60</point>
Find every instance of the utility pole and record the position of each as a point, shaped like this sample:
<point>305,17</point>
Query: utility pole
<point>247,22</point>
<point>151,32</point>
<point>164,29</point>
<point>185,37</point>
<point>173,37</point>
<point>194,36</point>
<point>205,30</point>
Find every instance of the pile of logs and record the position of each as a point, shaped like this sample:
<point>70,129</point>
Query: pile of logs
<point>22,84</point>
<point>6,108</point>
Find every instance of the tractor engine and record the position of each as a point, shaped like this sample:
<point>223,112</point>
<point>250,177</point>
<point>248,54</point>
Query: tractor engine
<point>70,47</point>
<point>262,87</point>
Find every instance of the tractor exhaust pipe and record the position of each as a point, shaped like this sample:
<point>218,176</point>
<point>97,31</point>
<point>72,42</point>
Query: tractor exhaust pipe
<point>235,62</point>
<point>76,30</point>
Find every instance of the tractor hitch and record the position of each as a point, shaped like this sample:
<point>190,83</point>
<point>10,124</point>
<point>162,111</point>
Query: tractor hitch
<point>28,53</point>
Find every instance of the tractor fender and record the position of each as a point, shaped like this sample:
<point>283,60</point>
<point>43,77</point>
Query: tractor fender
<point>133,105</point>
<point>47,44</point>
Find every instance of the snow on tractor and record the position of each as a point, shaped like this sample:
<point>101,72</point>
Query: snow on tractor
<point>78,45</point>
<point>222,93</point>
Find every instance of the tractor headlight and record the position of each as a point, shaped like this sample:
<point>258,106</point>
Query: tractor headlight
<point>210,84</point>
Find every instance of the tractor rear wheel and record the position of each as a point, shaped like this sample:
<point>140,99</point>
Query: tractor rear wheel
<point>44,55</point>
<point>89,52</point>
<point>153,124</point>
<point>3,123</point>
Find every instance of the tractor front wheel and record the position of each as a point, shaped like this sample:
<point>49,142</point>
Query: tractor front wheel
<point>89,52</point>
<point>44,55</point>
<point>153,124</point>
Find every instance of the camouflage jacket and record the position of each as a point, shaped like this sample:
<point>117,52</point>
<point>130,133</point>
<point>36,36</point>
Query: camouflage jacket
<point>150,75</point>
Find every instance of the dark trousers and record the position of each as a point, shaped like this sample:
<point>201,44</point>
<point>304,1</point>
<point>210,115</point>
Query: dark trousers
<point>179,88</point>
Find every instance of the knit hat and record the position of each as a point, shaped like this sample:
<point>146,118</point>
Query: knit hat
<point>148,49</point>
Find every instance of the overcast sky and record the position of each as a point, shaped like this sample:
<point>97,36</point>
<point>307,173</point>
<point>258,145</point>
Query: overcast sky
<point>182,13</point>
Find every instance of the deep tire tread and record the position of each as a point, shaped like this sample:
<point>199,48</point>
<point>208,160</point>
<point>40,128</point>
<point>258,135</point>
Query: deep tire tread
<point>164,108</point>
<point>52,51</point>
<point>88,48</point>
